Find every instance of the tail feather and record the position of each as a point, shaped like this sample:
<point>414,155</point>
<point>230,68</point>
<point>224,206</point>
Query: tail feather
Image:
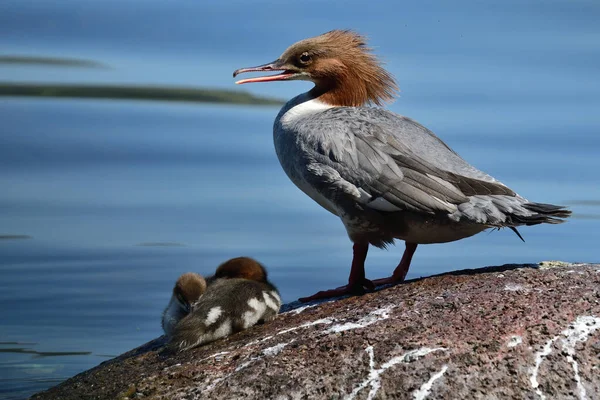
<point>548,209</point>
<point>543,214</point>
<point>514,229</point>
<point>504,211</point>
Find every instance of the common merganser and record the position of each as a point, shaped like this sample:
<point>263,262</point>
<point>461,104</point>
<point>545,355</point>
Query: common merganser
<point>188,289</point>
<point>386,176</point>
<point>238,296</point>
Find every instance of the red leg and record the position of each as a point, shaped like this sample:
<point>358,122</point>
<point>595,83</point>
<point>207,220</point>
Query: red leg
<point>402,268</point>
<point>357,270</point>
<point>356,281</point>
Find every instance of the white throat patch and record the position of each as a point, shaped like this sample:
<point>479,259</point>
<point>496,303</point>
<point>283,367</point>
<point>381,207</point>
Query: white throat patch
<point>301,106</point>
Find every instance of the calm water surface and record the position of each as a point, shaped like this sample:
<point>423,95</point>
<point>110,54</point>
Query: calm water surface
<point>117,198</point>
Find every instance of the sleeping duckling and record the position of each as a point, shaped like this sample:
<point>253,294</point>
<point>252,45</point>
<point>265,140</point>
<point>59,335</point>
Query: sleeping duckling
<point>238,296</point>
<point>240,267</point>
<point>188,289</point>
<point>190,286</point>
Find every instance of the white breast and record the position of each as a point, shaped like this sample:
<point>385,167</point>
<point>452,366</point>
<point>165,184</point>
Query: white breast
<point>300,107</point>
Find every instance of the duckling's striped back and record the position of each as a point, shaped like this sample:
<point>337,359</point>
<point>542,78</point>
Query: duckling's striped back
<point>228,306</point>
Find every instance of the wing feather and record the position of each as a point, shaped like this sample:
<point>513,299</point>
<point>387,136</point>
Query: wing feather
<point>377,159</point>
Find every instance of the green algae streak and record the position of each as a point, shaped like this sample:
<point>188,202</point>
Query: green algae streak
<point>156,93</point>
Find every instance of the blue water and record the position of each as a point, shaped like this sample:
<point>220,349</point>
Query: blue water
<point>120,197</point>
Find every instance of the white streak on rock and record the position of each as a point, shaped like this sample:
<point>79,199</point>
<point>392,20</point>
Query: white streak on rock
<point>252,343</point>
<point>423,391</point>
<point>371,318</point>
<point>239,368</point>
<point>273,351</point>
<point>171,366</point>
<point>246,364</point>
<point>578,331</point>
<point>514,340</point>
<point>300,309</point>
<point>513,287</point>
<point>374,377</point>
<point>418,353</point>
<point>216,382</point>
<point>539,357</point>
<point>270,351</point>
<point>323,321</point>
<point>216,355</point>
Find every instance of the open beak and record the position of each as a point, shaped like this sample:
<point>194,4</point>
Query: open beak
<point>274,66</point>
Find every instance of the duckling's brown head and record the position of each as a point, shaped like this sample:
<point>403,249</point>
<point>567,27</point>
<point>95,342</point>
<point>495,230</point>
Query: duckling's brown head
<point>344,70</point>
<point>242,267</point>
<point>188,289</point>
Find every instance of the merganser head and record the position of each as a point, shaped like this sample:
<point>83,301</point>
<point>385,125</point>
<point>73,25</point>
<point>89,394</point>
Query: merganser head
<point>344,70</point>
<point>242,267</point>
<point>188,289</point>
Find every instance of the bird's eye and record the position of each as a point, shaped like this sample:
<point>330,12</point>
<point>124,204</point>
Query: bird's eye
<point>305,57</point>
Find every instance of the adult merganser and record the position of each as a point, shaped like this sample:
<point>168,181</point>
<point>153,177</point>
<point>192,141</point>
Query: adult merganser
<point>238,296</point>
<point>188,289</point>
<point>386,176</point>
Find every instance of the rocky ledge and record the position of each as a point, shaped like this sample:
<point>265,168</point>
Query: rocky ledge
<point>510,332</point>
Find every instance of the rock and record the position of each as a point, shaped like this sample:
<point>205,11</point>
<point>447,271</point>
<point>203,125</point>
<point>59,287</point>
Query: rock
<point>510,332</point>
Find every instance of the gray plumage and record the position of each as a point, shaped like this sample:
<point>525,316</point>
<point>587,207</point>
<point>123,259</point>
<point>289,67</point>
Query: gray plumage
<point>171,316</point>
<point>227,306</point>
<point>386,176</point>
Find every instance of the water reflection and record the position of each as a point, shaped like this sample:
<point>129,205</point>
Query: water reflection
<point>14,237</point>
<point>161,93</point>
<point>51,61</point>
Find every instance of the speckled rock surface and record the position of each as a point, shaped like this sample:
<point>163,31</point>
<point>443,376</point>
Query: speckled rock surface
<point>511,332</point>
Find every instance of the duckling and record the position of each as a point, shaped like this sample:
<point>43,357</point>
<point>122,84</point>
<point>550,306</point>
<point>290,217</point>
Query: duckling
<point>190,286</point>
<point>188,289</point>
<point>240,267</point>
<point>238,296</point>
